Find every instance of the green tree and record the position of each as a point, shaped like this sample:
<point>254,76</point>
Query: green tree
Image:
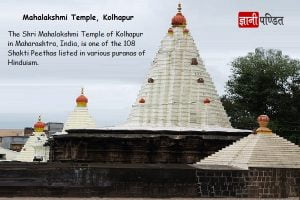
<point>265,82</point>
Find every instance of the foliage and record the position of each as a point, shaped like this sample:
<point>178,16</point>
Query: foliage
<point>265,82</point>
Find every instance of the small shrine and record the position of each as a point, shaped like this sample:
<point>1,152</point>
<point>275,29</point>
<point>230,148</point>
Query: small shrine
<point>34,148</point>
<point>80,117</point>
<point>261,165</point>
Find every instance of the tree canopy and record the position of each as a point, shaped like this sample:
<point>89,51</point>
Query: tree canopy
<point>265,82</point>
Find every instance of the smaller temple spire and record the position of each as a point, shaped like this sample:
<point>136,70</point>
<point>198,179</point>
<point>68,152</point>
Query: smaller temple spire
<point>80,117</point>
<point>263,121</point>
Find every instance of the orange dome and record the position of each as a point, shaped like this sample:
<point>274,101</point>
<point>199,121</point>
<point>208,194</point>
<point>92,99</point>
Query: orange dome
<point>82,100</point>
<point>39,126</point>
<point>178,19</point>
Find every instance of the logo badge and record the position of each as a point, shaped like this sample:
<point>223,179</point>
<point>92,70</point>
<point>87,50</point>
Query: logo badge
<point>248,19</point>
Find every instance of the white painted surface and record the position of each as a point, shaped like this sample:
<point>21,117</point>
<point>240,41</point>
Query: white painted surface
<point>79,119</point>
<point>34,147</point>
<point>9,154</point>
<point>257,150</point>
<point>168,128</point>
<point>175,99</point>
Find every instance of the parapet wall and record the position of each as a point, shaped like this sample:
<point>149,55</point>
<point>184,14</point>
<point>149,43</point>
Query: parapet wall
<point>101,180</point>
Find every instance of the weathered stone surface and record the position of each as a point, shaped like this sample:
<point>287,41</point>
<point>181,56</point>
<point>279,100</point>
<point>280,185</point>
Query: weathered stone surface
<point>144,180</point>
<point>253,183</point>
<point>139,146</point>
<point>87,180</point>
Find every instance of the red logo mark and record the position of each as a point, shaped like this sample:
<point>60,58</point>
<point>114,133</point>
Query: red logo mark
<point>248,19</point>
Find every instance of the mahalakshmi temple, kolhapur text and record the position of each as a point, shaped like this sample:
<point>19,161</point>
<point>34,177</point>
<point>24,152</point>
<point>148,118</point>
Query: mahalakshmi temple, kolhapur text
<point>176,142</point>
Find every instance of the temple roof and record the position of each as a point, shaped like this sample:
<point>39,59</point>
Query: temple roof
<point>178,92</point>
<point>115,132</point>
<point>264,149</point>
<point>80,117</point>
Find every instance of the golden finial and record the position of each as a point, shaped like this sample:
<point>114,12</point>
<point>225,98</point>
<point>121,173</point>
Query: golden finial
<point>179,7</point>
<point>263,121</point>
<point>82,90</point>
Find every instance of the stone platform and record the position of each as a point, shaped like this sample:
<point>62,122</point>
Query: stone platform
<point>144,180</point>
<point>96,180</point>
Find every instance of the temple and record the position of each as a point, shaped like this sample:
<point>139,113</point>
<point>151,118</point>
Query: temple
<point>178,91</point>
<point>176,142</point>
<point>80,117</point>
<point>177,116</point>
<point>34,149</point>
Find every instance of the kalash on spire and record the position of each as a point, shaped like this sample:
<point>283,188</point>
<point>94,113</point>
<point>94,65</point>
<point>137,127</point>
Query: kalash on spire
<point>82,100</point>
<point>178,91</point>
<point>39,126</point>
<point>80,117</point>
<point>179,20</point>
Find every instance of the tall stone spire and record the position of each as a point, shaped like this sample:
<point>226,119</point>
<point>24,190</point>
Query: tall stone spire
<point>178,91</point>
<point>80,117</point>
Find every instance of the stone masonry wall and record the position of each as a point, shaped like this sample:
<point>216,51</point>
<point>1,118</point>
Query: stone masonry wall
<point>254,183</point>
<point>143,180</point>
<point>96,180</point>
<point>273,183</point>
<point>221,183</point>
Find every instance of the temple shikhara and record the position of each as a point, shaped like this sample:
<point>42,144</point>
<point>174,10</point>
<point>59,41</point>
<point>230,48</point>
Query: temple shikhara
<point>80,117</point>
<point>178,91</point>
<point>176,118</point>
<point>176,142</point>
